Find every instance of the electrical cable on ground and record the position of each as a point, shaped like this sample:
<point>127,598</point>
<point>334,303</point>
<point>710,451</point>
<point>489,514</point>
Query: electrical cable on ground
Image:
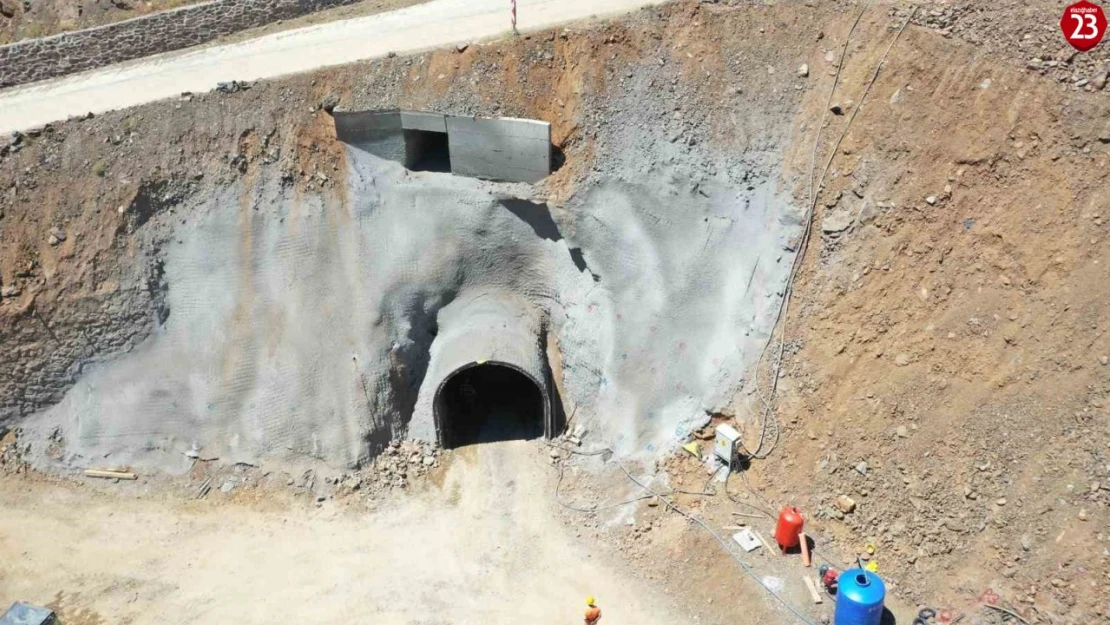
<point>562,470</point>
<point>1005,611</point>
<point>663,497</point>
<point>743,565</point>
<point>768,412</point>
<point>814,185</point>
<point>734,500</point>
<point>568,506</point>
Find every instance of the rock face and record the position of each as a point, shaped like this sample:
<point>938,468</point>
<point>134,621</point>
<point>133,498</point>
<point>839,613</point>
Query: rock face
<point>39,59</point>
<point>289,338</point>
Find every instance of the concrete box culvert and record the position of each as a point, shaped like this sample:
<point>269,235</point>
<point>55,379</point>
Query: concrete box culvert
<point>505,149</point>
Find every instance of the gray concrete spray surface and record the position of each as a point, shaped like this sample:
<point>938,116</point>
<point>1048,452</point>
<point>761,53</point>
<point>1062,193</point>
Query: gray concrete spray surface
<point>304,327</point>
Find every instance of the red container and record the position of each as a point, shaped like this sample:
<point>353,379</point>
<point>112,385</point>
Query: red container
<point>789,526</point>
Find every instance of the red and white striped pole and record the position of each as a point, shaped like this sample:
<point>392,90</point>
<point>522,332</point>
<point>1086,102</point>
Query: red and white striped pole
<point>514,17</point>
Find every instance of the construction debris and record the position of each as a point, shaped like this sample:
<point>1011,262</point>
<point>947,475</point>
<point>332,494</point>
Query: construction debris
<point>25,614</point>
<point>811,586</point>
<point>846,504</point>
<point>766,545</point>
<point>110,474</point>
<point>747,540</point>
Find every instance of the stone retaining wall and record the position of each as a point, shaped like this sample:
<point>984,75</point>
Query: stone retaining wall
<point>67,53</point>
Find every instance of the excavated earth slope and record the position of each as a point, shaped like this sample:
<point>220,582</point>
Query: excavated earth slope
<point>947,328</point>
<point>281,295</point>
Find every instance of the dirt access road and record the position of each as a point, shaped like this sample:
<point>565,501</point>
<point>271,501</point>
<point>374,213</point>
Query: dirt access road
<point>419,27</point>
<point>485,547</point>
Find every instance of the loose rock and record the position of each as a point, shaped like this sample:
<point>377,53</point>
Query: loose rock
<point>836,222</point>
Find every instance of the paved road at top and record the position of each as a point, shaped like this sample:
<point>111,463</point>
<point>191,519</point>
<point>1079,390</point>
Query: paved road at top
<point>420,27</point>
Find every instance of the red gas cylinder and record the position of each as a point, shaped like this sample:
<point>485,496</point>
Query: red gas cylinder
<point>789,526</point>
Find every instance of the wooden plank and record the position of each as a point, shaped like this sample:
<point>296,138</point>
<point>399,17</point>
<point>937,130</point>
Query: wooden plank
<point>110,475</point>
<point>805,549</point>
<point>812,586</point>
<point>765,544</point>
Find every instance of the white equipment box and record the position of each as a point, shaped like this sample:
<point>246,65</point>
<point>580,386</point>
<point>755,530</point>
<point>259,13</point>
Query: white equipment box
<point>727,444</point>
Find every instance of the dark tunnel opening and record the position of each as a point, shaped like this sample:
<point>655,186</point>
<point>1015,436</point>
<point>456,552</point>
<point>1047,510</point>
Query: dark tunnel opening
<point>427,151</point>
<point>486,403</point>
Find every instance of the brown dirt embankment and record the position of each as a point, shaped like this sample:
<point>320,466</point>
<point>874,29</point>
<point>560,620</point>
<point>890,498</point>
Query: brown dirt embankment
<point>948,326</point>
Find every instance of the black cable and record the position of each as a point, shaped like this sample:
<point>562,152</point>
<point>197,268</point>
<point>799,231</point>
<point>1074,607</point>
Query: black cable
<point>734,500</point>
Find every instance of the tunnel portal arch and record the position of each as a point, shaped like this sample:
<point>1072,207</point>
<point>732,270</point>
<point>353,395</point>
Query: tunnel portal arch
<point>493,342</point>
<point>488,401</point>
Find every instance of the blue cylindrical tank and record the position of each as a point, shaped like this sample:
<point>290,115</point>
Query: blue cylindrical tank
<point>859,598</point>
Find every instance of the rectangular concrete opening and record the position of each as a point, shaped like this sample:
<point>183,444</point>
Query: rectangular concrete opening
<point>427,151</point>
<point>503,149</point>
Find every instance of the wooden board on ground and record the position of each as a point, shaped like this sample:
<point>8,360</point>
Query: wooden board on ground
<point>812,586</point>
<point>110,475</point>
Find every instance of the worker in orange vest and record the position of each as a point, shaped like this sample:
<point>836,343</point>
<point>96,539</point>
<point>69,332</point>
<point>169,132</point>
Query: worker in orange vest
<point>593,613</point>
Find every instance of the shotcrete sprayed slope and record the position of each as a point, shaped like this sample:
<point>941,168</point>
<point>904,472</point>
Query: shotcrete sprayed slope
<point>302,327</point>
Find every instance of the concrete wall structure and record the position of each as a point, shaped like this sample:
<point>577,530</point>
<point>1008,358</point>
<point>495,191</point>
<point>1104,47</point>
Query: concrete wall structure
<point>485,325</point>
<point>377,132</point>
<point>68,53</point>
<point>505,149</point>
<point>502,149</point>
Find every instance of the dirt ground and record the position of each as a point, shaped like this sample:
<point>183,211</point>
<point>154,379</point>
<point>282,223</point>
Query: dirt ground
<point>495,533</point>
<point>142,552</point>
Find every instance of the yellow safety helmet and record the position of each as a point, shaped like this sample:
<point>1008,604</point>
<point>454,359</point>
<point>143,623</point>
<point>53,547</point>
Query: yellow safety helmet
<point>590,600</point>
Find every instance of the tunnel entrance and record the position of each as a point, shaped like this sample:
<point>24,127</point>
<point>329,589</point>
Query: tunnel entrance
<point>488,402</point>
<point>427,151</point>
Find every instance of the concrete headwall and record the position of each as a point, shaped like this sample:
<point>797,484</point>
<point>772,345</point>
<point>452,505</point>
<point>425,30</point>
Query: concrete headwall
<point>501,149</point>
<point>67,53</point>
<point>377,132</point>
<point>505,149</point>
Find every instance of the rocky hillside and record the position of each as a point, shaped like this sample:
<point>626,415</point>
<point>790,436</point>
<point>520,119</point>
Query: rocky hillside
<point>946,363</point>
